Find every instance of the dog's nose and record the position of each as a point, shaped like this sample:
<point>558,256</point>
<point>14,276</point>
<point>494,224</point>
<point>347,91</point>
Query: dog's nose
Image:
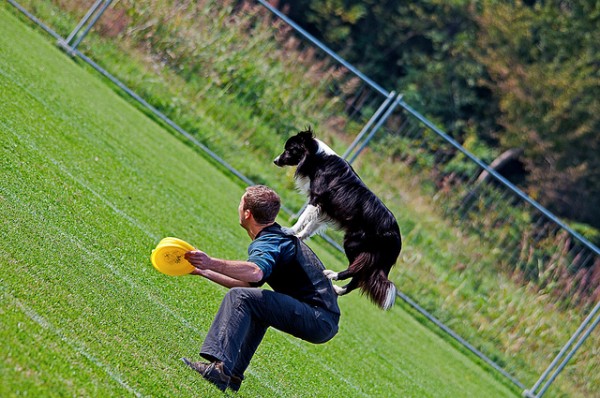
<point>276,161</point>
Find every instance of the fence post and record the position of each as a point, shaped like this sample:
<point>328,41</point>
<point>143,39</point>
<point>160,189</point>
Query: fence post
<point>367,126</point>
<point>92,23</point>
<point>532,392</point>
<point>87,16</point>
<point>376,128</point>
<point>66,44</point>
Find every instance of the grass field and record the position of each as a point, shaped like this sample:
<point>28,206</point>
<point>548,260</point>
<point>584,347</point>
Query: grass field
<point>89,185</point>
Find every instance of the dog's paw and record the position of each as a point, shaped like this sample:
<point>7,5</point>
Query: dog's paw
<point>288,231</point>
<point>332,275</point>
<point>340,291</point>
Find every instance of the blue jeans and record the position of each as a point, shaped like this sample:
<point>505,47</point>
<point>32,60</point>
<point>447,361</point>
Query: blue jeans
<point>243,319</point>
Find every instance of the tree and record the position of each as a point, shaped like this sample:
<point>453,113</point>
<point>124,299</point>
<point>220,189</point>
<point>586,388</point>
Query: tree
<point>421,49</point>
<point>543,60</point>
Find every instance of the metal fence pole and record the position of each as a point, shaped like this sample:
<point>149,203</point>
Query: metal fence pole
<point>367,126</point>
<point>569,356</point>
<point>376,128</point>
<point>323,47</point>
<point>531,393</point>
<point>87,16</point>
<point>91,24</point>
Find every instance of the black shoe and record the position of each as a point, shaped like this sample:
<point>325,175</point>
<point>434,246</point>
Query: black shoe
<point>235,383</point>
<point>212,372</point>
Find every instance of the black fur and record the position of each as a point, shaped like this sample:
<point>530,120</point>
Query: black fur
<point>372,239</point>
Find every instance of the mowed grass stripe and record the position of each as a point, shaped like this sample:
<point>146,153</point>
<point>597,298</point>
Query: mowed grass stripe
<point>71,242</point>
<point>68,364</point>
<point>88,186</point>
<point>62,134</point>
<point>76,346</point>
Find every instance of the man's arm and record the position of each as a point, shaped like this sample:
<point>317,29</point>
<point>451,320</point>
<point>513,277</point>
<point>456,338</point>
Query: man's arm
<point>228,273</point>
<point>221,279</point>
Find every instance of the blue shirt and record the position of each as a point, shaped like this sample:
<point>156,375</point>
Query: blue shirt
<point>290,267</point>
<point>270,249</point>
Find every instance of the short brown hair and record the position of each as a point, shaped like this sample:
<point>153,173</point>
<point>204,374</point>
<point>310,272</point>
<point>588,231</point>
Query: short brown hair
<point>263,203</point>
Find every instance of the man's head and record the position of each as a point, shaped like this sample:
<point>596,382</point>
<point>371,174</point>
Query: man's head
<point>262,203</point>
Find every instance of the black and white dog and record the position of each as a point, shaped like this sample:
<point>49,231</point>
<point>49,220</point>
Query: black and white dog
<point>337,195</point>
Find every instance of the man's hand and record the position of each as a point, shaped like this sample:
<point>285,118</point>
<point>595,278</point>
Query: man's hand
<point>199,259</point>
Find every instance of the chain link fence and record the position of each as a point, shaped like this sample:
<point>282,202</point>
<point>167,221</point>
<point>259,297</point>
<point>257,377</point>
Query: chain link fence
<point>481,260</point>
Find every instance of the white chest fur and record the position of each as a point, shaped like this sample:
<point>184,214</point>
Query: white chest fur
<point>303,184</point>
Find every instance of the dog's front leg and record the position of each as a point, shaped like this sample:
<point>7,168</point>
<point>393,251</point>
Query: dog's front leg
<point>300,223</point>
<point>308,223</point>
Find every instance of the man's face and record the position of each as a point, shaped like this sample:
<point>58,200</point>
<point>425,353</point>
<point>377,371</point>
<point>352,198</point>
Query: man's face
<point>241,212</point>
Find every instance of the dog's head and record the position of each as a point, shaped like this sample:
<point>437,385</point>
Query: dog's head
<point>297,148</point>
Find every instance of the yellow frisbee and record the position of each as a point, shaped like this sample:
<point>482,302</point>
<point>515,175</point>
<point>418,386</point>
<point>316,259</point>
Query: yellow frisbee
<point>168,257</point>
<point>176,242</point>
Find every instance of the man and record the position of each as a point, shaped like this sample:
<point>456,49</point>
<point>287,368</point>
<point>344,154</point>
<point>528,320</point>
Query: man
<point>302,303</point>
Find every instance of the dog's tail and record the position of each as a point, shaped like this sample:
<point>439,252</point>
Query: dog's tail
<point>376,285</point>
<point>381,290</point>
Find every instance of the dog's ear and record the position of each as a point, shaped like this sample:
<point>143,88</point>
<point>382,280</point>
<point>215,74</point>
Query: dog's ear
<point>307,134</point>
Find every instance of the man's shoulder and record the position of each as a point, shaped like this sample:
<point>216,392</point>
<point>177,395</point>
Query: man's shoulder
<point>273,240</point>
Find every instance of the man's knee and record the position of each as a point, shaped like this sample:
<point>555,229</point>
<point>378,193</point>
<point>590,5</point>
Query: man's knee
<point>243,291</point>
<point>238,295</point>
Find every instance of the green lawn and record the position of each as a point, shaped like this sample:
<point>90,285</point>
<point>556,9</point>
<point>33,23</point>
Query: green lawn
<point>88,186</point>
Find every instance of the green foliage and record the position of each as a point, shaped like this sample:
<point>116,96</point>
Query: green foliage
<point>421,49</point>
<point>464,167</point>
<point>590,233</point>
<point>543,65</point>
<point>227,83</point>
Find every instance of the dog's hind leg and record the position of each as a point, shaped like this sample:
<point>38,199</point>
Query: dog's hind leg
<point>332,275</point>
<point>357,264</point>
<point>338,276</point>
<point>348,273</point>
<point>342,290</point>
